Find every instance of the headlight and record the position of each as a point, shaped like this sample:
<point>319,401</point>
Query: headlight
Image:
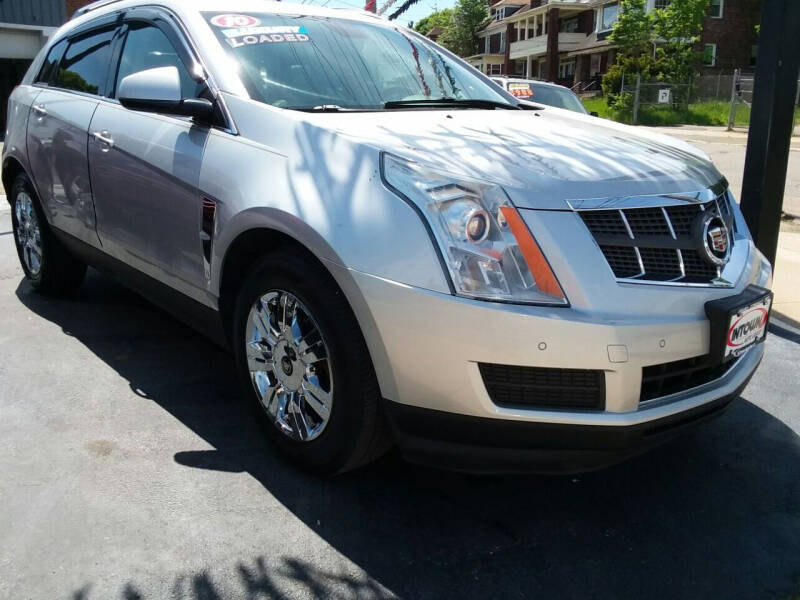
<point>488,250</point>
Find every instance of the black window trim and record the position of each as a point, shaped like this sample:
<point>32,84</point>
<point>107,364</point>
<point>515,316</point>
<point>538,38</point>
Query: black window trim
<point>176,33</point>
<point>93,27</point>
<point>38,79</point>
<point>171,26</point>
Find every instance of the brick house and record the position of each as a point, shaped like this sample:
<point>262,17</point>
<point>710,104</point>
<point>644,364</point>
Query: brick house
<point>518,39</point>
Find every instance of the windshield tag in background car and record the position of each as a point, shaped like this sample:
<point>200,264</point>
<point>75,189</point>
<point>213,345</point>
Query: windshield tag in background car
<point>250,36</point>
<point>520,90</point>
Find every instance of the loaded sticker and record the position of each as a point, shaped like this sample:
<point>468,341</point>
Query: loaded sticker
<point>249,36</point>
<point>235,21</point>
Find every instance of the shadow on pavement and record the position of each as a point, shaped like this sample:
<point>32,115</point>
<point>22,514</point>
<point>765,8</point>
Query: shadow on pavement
<point>713,514</point>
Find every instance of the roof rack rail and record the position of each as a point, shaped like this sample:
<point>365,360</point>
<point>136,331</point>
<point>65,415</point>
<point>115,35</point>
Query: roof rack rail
<point>93,6</point>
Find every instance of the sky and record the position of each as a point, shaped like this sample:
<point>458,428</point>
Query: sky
<point>419,10</point>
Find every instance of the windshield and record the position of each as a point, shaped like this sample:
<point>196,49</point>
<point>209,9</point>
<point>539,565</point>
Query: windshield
<point>305,62</point>
<point>550,95</point>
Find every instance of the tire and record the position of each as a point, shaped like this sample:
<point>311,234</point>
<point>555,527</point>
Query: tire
<point>47,264</point>
<point>355,432</point>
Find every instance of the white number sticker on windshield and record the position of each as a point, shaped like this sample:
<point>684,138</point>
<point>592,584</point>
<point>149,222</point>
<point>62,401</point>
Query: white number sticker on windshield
<point>235,21</point>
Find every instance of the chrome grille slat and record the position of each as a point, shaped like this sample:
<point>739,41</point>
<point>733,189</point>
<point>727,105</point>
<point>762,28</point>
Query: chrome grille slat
<point>660,238</point>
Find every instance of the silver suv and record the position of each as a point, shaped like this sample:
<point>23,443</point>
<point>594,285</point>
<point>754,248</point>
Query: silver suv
<point>394,248</point>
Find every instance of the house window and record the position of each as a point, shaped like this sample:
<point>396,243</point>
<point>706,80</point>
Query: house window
<point>569,25</point>
<point>543,69</point>
<point>660,3</point>
<point>566,69</point>
<point>608,16</point>
<point>715,9</point>
<point>495,69</point>
<point>502,42</point>
<point>710,55</point>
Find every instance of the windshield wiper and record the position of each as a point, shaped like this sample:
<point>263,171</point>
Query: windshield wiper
<point>456,102</point>
<point>323,108</point>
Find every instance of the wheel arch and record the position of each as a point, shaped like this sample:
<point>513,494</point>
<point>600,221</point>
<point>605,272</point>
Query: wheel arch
<point>12,168</point>
<point>250,245</point>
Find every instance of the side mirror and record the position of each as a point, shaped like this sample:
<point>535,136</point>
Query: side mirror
<point>594,114</point>
<point>159,91</point>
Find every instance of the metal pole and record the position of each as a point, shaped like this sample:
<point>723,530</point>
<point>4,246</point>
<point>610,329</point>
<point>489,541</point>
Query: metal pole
<point>732,111</point>
<point>636,99</point>
<point>688,92</point>
<point>771,117</point>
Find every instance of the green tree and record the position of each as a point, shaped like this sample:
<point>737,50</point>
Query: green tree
<point>468,16</point>
<point>633,36</point>
<point>633,31</point>
<point>442,18</point>
<point>656,45</point>
<point>677,29</point>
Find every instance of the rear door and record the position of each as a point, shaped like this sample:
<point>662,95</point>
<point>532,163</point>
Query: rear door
<point>145,168</point>
<point>73,79</point>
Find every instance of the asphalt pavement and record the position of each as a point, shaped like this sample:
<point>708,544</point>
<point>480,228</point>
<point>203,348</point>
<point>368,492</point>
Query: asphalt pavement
<point>129,468</point>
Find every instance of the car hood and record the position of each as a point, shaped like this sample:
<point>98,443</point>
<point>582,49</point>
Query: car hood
<point>542,158</point>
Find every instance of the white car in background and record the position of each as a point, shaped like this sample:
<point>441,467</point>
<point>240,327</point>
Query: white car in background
<point>542,92</point>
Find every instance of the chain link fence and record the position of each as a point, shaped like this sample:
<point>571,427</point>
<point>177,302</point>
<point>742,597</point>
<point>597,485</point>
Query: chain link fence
<point>720,98</point>
<point>741,100</point>
<point>660,95</point>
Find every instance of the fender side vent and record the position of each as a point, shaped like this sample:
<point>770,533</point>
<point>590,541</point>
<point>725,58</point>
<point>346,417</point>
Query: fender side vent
<point>207,229</point>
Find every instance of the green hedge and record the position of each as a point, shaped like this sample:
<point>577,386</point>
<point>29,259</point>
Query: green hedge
<point>710,112</point>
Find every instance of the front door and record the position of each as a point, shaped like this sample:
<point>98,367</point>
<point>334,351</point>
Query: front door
<point>145,172</point>
<point>58,129</point>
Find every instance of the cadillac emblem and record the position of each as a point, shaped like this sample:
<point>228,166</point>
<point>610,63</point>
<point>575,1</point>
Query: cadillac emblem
<point>713,238</point>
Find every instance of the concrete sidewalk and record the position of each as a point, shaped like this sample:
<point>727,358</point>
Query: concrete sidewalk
<point>786,283</point>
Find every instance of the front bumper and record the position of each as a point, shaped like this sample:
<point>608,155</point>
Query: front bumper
<point>427,346</point>
<point>476,445</point>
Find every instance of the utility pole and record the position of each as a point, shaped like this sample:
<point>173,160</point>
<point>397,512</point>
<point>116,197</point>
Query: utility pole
<point>771,120</point>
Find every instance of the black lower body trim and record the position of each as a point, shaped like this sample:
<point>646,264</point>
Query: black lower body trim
<point>198,316</point>
<point>483,445</point>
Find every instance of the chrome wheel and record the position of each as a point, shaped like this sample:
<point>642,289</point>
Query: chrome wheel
<point>289,365</point>
<point>28,234</point>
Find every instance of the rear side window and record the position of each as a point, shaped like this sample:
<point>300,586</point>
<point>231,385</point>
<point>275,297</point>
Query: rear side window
<point>146,48</point>
<point>48,70</point>
<point>85,64</point>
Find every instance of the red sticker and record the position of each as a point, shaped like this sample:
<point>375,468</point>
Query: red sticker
<point>235,21</point>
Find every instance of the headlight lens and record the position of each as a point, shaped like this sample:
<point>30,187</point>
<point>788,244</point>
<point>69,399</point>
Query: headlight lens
<point>488,249</point>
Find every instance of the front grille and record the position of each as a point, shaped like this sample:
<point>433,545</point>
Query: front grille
<point>680,375</point>
<point>537,387</point>
<point>655,243</point>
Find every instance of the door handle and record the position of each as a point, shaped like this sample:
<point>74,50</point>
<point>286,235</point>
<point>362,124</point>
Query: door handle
<point>40,110</point>
<point>104,138</point>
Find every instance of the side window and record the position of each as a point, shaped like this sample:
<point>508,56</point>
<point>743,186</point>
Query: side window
<point>85,63</point>
<point>148,48</point>
<point>51,63</point>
